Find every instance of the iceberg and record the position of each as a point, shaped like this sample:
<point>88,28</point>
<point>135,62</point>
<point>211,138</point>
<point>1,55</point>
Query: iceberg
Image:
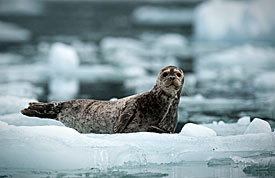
<point>235,20</point>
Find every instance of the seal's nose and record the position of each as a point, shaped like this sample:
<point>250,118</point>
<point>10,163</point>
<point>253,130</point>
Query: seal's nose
<point>172,77</point>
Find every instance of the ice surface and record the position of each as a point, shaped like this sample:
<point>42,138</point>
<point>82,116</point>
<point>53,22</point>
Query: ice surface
<point>195,130</point>
<point>149,15</point>
<point>13,33</point>
<point>18,119</point>
<point>56,147</point>
<point>258,126</point>
<point>235,20</point>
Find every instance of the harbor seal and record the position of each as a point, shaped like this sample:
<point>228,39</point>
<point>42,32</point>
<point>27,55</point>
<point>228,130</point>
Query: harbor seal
<point>153,111</point>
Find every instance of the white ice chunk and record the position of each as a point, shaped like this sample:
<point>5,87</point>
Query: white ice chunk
<point>150,15</point>
<point>13,33</point>
<point>235,20</point>
<point>63,58</point>
<point>258,126</point>
<point>195,130</point>
<point>244,120</point>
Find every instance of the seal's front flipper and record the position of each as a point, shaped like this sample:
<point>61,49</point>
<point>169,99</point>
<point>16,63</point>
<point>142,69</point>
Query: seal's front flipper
<point>156,129</point>
<point>124,119</point>
<point>42,110</point>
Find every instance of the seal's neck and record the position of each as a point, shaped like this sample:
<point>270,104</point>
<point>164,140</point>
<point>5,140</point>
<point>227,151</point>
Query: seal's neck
<point>163,100</point>
<point>162,96</point>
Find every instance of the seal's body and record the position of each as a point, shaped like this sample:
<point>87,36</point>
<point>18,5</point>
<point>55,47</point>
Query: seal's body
<point>155,110</point>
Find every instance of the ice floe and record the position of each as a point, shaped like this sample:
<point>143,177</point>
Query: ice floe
<point>55,147</point>
<point>235,20</point>
<point>235,69</point>
<point>21,89</point>
<point>149,15</point>
<point>13,33</point>
<point>63,58</point>
<point>26,7</point>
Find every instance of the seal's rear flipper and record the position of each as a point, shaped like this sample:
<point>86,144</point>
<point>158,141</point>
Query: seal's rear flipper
<point>42,110</point>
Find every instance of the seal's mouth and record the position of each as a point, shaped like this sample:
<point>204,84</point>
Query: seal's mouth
<point>174,84</point>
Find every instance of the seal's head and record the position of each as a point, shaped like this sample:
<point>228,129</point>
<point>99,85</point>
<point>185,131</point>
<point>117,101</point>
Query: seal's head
<point>170,79</point>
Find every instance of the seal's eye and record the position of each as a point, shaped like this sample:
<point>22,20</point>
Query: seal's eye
<point>164,74</point>
<point>178,74</point>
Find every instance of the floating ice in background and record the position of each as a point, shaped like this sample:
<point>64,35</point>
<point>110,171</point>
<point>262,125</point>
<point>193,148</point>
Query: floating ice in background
<point>195,130</point>
<point>171,44</point>
<point>13,104</point>
<point>235,20</point>
<point>149,15</point>
<point>13,33</point>
<point>263,82</point>
<point>7,58</point>
<point>237,70</point>
<point>63,88</point>
<point>258,126</point>
<point>24,7</point>
<point>63,58</point>
<point>21,89</point>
